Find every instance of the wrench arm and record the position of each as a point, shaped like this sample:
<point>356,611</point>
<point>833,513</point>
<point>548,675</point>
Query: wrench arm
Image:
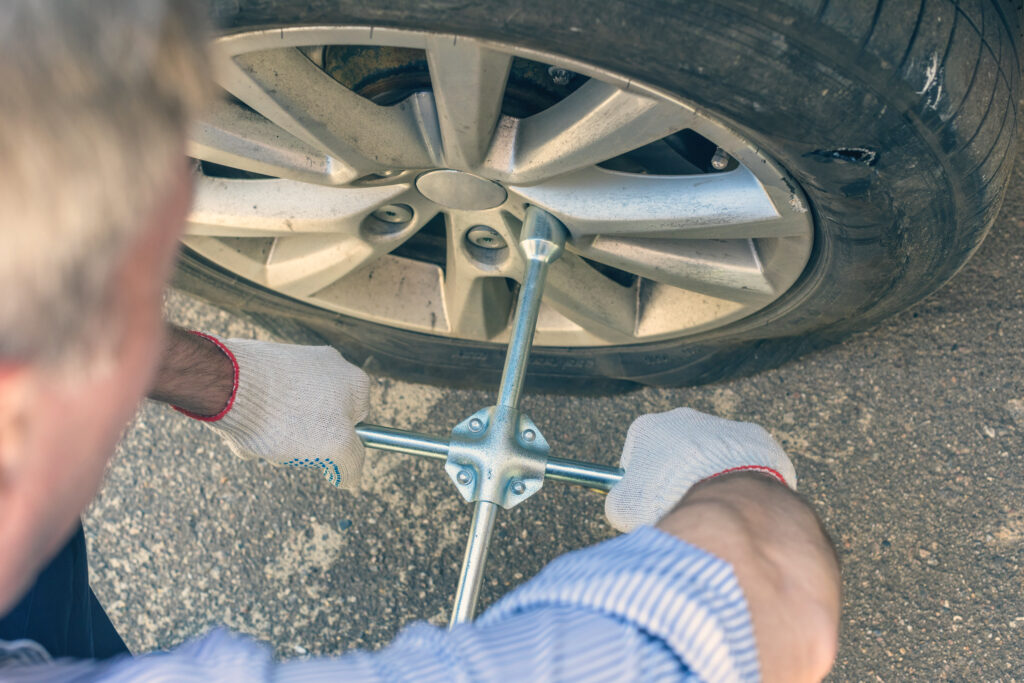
<point>401,441</point>
<point>588,475</point>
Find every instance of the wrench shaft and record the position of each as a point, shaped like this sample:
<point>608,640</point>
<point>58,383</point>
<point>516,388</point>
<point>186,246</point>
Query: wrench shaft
<point>540,244</point>
<point>480,531</point>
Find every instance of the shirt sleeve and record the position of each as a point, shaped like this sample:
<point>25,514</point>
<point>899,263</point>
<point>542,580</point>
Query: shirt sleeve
<point>644,606</point>
<point>675,593</point>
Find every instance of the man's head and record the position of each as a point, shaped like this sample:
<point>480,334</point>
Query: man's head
<point>97,96</point>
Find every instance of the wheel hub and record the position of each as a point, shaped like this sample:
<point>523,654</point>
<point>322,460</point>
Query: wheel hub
<point>460,190</point>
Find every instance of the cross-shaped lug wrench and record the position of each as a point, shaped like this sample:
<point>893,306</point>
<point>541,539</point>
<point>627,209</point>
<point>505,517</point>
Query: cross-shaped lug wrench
<point>497,456</point>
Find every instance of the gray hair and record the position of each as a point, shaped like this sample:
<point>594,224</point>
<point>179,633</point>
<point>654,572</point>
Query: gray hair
<point>95,100</point>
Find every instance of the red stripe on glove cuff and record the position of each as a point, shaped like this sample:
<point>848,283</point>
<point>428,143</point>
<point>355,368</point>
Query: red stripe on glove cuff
<point>752,468</point>
<point>234,382</point>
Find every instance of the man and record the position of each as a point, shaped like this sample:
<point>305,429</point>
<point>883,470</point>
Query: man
<point>724,575</point>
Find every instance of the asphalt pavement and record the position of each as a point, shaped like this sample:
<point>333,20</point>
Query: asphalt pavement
<point>908,439</point>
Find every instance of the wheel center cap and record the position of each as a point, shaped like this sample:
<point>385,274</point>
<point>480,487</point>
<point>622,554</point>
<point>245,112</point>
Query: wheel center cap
<point>460,190</point>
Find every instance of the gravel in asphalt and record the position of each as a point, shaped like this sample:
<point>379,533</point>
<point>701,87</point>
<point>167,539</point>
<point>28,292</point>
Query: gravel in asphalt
<point>908,439</point>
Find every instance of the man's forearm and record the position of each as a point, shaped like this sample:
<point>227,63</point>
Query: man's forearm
<point>783,560</point>
<point>195,374</point>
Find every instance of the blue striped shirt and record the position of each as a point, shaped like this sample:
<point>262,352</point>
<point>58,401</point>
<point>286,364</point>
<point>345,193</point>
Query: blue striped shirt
<point>644,606</point>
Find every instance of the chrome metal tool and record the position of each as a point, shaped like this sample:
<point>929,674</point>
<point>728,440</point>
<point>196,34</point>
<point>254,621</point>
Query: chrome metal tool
<point>497,457</point>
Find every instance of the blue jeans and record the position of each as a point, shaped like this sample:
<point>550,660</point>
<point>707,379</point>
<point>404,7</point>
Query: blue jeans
<point>60,611</point>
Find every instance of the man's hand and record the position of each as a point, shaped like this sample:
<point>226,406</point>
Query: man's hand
<point>288,404</point>
<point>724,487</point>
<point>667,453</point>
<point>784,563</point>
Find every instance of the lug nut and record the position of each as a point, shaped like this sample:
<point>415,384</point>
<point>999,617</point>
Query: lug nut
<point>518,488</point>
<point>720,160</point>
<point>464,477</point>
<point>485,237</point>
<point>559,76</point>
<point>393,213</point>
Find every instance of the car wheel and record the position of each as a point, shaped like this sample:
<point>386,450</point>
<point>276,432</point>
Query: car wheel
<point>741,183</point>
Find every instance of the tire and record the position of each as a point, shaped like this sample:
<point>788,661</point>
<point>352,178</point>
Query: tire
<point>897,119</point>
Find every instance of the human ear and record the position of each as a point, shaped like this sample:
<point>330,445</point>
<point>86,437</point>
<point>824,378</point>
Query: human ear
<point>16,404</point>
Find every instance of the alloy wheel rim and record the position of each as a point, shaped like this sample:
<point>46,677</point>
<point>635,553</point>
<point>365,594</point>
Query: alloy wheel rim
<point>342,185</point>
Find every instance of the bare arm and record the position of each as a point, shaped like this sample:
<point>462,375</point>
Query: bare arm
<point>195,374</point>
<point>783,561</point>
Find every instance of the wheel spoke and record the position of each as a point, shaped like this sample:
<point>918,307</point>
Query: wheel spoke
<point>595,123</point>
<point>589,299</point>
<point>469,84</point>
<point>391,287</point>
<point>477,308</point>
<point>287,88</point>
<point>302,265</point>
<point>226,207</point>
<point>477,299</point>
<point>231,135</point>
<point>726,269</point>
<point>715,206</point>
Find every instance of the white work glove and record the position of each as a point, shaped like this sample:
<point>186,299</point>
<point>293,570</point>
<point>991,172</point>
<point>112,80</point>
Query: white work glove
<point>296,405</point>
<point>667,453</point>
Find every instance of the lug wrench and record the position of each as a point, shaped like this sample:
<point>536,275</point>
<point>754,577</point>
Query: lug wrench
<point>498,456</point>
<point>541,242</point>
